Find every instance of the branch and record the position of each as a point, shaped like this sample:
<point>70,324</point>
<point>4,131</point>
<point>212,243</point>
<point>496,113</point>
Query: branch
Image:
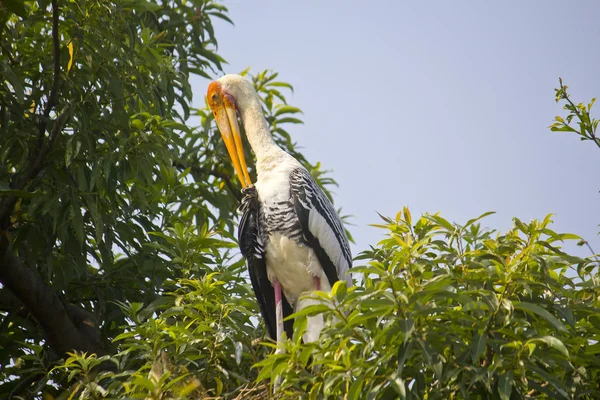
<point>217,174</point>
<point>67,327</point>
<point>55,80</point>
<point>34,169</point>
<point>8,301</point>
<point>6,50</point>
<point>25,383</point>
<point>583,124</point>
<point>226,178</point>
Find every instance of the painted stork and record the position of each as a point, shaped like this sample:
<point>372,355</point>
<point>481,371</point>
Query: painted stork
<point>289,232</point>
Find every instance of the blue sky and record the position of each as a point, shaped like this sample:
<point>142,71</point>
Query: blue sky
<point>439,106</point>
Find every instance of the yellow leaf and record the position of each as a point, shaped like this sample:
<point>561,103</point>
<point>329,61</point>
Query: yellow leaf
<point>70,46</point>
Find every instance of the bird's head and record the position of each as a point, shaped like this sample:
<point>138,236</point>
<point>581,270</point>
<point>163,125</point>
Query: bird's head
<point>226,97</point>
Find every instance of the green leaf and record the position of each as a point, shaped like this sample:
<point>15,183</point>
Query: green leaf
<point>355,389</point>
<point>441,221</point>
<point>478,345</point>
<point>407,327</point>
<point>77,222</point>
<point>339,290</point>
<point>136,123</point>
<point>563,128</point>
<point>540,311</point>
<point>300,325</point>
<point>472,221</point>
<point>369,270</point>
<point>558,384</point>
<point>438,283</point>
<point>282,84</point>
<point>285,109</point>
<point>407,216</point>
<point>505,385</point>
<point>403,354</point>
<point>552,342</point>
<point>14,81</point>
<point>398,384</point>
<point>309,311</point>
<point>289,120</point>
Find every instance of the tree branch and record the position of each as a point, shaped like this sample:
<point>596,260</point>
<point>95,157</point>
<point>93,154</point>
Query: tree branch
<point>67,327</point>
<point>9,303</point>
<point>583,124</point>
<point>55,80</point>
<point>214,172</point>
<point>6,50</point>
<point>34,169</point>
<point>224,177</point>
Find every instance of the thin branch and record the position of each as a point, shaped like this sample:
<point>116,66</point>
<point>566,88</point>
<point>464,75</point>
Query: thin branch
<point>26,382</point>
<point>217,174</point>
<point>590,249</point>
<point>34,169</point>
<point>11,303</point>
<point>580,116</point>
<point>226,178</point>
<point>6,50</point>
<point>56,78</point>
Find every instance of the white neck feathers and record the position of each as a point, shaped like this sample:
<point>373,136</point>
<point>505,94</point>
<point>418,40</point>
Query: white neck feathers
<point>257,130</point>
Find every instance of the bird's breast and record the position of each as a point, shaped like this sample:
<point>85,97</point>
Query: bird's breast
<point>294,266</point>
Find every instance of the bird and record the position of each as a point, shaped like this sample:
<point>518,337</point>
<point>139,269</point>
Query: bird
<point>289,232</point>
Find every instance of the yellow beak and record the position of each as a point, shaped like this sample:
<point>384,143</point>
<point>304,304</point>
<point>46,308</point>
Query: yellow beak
<point>225,113</point>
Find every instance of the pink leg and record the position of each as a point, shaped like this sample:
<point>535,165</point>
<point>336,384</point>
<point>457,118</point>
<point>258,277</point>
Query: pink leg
<point>279,323</point>
<point>317,282</point>
<point>278,311</point>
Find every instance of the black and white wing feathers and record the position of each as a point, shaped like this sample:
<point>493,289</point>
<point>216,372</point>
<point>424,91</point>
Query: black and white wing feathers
<point>252,248</point>
<point>321,226</point>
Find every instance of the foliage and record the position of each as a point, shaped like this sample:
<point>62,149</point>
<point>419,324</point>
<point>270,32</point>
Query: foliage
<point>448,311</point>
<point>586,125</point>
<point>109,200</point>
<point>445,311</point>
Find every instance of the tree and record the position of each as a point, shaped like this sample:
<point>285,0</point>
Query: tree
<point>108,198</point>
<point>119,269</point>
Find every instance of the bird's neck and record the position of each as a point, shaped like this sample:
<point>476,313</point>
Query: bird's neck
<point>258,133</point>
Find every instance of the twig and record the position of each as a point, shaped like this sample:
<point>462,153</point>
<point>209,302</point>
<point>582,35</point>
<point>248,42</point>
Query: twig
<point>6,50</point>
<point>26,382</point>
<point>55,80</point>
<point>217,174</point>
<point>580,116</point>
<point>589,247</point>
<point>226,179</point>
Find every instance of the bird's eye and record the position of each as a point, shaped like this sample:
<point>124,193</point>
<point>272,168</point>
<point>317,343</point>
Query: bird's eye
<point>214,97</point>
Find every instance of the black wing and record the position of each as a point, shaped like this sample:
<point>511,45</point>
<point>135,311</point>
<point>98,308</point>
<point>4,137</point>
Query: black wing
<point>321,226</point>
<point>252,248</point>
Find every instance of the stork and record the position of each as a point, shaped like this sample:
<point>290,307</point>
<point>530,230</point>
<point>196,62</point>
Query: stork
<point>289,232</point>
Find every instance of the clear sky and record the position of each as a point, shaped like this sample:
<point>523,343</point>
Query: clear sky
<point>437,105</point>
